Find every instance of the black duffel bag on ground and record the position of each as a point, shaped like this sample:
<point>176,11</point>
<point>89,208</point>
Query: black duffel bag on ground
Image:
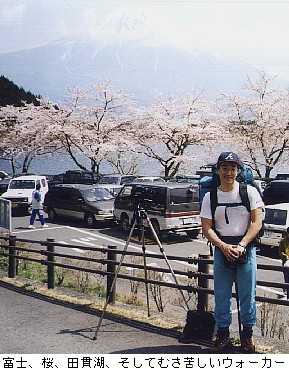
<point>199,325</point>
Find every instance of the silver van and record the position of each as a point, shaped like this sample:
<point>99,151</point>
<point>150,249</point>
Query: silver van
<point>276,223</point>
<point>170,207</point>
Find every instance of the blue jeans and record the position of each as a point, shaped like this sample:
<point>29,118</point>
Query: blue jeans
<point>224,277</point>
<point>33,216</point>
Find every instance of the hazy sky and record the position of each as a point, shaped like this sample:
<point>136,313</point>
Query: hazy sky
<point>255,31</point>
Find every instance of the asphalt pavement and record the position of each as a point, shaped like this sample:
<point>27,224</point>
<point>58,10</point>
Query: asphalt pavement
<point>31,324</point>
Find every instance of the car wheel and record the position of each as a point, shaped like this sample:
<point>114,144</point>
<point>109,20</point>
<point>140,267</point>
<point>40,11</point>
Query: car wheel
<point>124,223</point>
<point>193,234</point>
<point>51,214</point>
<point>89,220</point>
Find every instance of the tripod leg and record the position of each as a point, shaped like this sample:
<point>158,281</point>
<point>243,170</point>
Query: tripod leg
<point>167,261</point>
<point>145,269</point>
<point>114,280</point>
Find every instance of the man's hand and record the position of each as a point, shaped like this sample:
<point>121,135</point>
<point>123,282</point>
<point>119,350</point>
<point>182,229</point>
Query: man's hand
<point>230,252</point>
<point>240,249</point>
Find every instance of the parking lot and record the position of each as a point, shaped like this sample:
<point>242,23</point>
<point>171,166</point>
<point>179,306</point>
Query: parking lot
<point>74,233</point>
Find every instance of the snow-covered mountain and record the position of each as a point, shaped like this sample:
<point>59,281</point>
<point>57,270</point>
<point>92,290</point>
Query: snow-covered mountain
<point>131,51</point>
<point>145,71</point>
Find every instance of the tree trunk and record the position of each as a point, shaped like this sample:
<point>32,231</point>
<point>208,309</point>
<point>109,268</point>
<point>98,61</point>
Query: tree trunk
<point>25,164</point>
<point>268,171</point>
<point>13,167</point>
<point>94,168</point>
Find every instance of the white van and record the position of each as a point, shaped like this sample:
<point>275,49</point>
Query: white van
<point>20,190</point>
<point>276,223</point>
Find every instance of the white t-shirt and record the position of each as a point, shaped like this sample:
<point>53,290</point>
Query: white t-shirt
<point>239,217</point>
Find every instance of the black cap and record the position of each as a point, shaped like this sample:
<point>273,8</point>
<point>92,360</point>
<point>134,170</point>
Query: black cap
<point>229,156</point>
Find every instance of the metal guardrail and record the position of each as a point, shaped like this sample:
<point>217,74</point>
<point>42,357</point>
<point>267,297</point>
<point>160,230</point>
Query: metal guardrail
<point>48,255</point>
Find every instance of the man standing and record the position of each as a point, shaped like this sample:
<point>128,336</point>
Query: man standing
<point>231,228</point>
<point>37,208</point>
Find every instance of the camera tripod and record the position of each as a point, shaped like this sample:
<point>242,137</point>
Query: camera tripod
<point>139,216</point>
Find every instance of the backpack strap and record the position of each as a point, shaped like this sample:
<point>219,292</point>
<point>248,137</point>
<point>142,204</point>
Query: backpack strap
<point>243,192</point>
<point>214,204</point>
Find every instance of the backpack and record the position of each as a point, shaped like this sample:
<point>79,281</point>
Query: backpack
<point>37,195</point>
<point>245,177</point>
<point>199,325</point>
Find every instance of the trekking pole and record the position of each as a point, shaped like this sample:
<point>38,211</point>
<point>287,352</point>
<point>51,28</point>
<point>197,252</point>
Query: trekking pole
<point>166,259</point>
<point>114,279</point>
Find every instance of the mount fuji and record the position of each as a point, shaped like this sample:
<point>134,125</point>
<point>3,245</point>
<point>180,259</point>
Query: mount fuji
<point>128,52</point>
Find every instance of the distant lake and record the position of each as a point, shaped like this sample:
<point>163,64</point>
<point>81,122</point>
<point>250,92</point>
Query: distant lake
<point>59,163</point>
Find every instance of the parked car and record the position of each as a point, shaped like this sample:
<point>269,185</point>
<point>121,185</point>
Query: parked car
<point>147,179</point>
<point>4,181</point>
<point>205,170</point>
<point>276,223</point>
<point>88,203</point>
<point>276,192</point>
<point>282,176</point>
<point>192,179</point>
<point>116,179</point>
<point>171,207</point>
<point>80,177</point>
<point>4,175</point>
<point>260,184</point>
<point>20,190</point>
<point>113,188</point>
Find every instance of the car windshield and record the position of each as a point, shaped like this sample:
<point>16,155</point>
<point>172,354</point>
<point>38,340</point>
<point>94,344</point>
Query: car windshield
<point>97,194</point>
<point>275,216</point>
<point>110,180</point>
<point>22,184</point>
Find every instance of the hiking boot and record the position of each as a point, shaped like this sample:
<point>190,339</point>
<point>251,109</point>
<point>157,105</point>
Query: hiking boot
<point>247,345</point>
<point>222,342</point>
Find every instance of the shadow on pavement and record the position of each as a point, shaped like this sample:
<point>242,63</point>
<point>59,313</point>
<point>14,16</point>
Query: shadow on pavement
<point>108,317</point>
<point>170,238</point>
<point>168,349</point>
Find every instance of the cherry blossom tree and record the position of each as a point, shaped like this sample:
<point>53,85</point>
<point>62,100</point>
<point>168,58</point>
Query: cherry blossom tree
<point>172,126</point>
<point>258,123</point>
<point>24,134</point>
<point>95,123</point>
<point>124,160</point>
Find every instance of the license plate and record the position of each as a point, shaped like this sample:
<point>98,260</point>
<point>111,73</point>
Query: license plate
<point>187,221</point>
